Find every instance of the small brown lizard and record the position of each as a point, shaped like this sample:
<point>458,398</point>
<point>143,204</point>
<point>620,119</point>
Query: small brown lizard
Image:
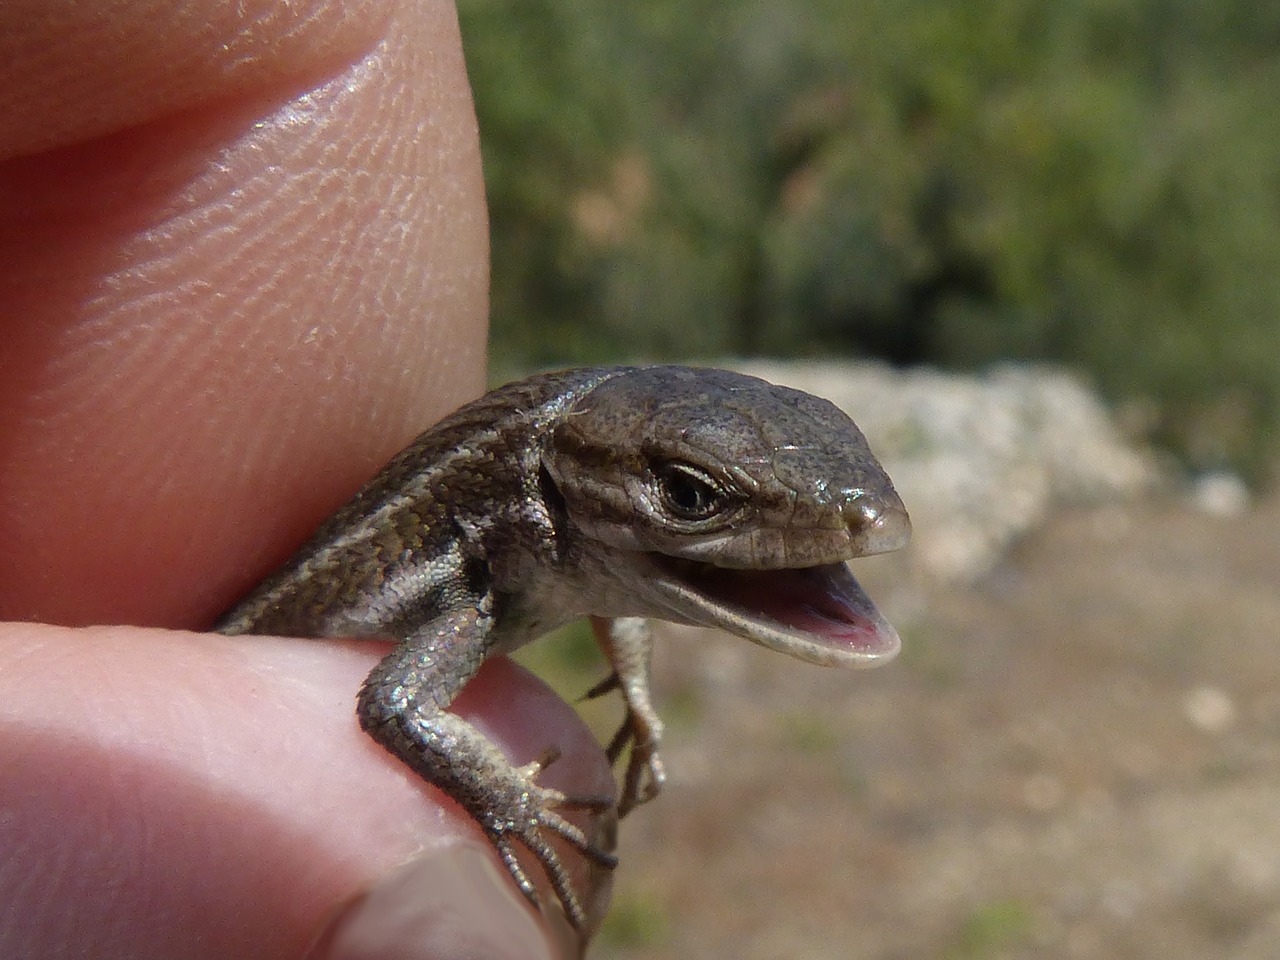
<point>696,496</point>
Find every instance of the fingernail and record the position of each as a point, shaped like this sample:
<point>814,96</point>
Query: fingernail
<point>452,902</point>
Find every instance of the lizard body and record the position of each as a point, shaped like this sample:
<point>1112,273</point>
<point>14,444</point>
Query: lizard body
<point>696,496</point>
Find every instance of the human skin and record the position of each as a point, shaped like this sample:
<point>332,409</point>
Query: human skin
<point>243,260</point>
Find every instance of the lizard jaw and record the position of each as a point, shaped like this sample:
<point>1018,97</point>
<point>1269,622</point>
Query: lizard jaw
<point>820,614</point>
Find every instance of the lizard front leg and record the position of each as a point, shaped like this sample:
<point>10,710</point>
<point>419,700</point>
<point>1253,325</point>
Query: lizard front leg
<point>402,706</point>
<point>628,644</point>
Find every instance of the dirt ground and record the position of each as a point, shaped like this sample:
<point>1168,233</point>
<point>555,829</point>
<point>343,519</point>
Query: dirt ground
<point>1079,757</point>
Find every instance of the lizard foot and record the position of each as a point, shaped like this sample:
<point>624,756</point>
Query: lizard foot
<point>642,731</point>
<point>506,801</point>
<point>527,813</point>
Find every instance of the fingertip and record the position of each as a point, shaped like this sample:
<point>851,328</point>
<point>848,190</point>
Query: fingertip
<point>454,901</point>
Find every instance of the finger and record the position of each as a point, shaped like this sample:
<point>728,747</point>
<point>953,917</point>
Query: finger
<point>78,71</point>
<point>235,281</point>
<point>221,800</point>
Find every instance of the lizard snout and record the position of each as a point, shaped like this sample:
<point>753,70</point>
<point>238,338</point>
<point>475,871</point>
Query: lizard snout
<point>877,524</point>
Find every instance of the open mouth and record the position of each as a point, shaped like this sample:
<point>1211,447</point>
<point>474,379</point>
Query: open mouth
<point>820,614</point>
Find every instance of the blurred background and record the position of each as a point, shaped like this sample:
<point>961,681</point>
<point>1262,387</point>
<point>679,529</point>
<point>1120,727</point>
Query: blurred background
<point>1034,249</point>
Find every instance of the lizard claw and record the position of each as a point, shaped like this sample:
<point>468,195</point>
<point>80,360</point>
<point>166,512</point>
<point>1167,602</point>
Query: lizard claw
<point>627,644</point>
<point>645,771</point>
<point>605,686</point>
<point>507,801</point>
<point>595,802</point>
<point>645,774</point>
<point>527,813</point>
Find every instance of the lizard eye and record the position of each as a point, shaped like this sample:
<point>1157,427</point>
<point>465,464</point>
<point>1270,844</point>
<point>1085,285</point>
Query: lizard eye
<point>689,492</point>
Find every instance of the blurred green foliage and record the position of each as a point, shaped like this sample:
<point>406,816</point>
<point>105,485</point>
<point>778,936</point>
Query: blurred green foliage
<point>1095,182</point>
<point>992,930</point>
<point>637,920</point>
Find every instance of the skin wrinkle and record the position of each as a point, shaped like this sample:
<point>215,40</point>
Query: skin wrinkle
<point>180,56</point>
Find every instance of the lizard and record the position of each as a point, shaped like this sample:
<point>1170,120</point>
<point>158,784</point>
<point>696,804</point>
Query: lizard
<point>692,495</point>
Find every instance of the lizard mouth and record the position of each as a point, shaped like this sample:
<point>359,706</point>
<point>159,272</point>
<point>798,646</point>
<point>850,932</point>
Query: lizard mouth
<point>820,614</point>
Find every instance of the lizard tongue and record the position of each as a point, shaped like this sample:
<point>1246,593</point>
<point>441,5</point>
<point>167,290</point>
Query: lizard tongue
<point>824,602</point>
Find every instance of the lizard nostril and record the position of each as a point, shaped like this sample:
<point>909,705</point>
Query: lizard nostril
<point>877,524</point>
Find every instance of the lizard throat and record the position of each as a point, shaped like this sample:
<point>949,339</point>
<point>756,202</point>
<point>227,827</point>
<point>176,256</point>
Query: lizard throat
<point>820,614</point>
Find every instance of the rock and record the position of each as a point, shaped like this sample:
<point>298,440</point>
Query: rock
<point>1209,709</point>
<point>1220,494</point>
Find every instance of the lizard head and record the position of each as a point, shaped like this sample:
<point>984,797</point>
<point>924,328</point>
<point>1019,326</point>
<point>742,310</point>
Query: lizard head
<point>732,502</point>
